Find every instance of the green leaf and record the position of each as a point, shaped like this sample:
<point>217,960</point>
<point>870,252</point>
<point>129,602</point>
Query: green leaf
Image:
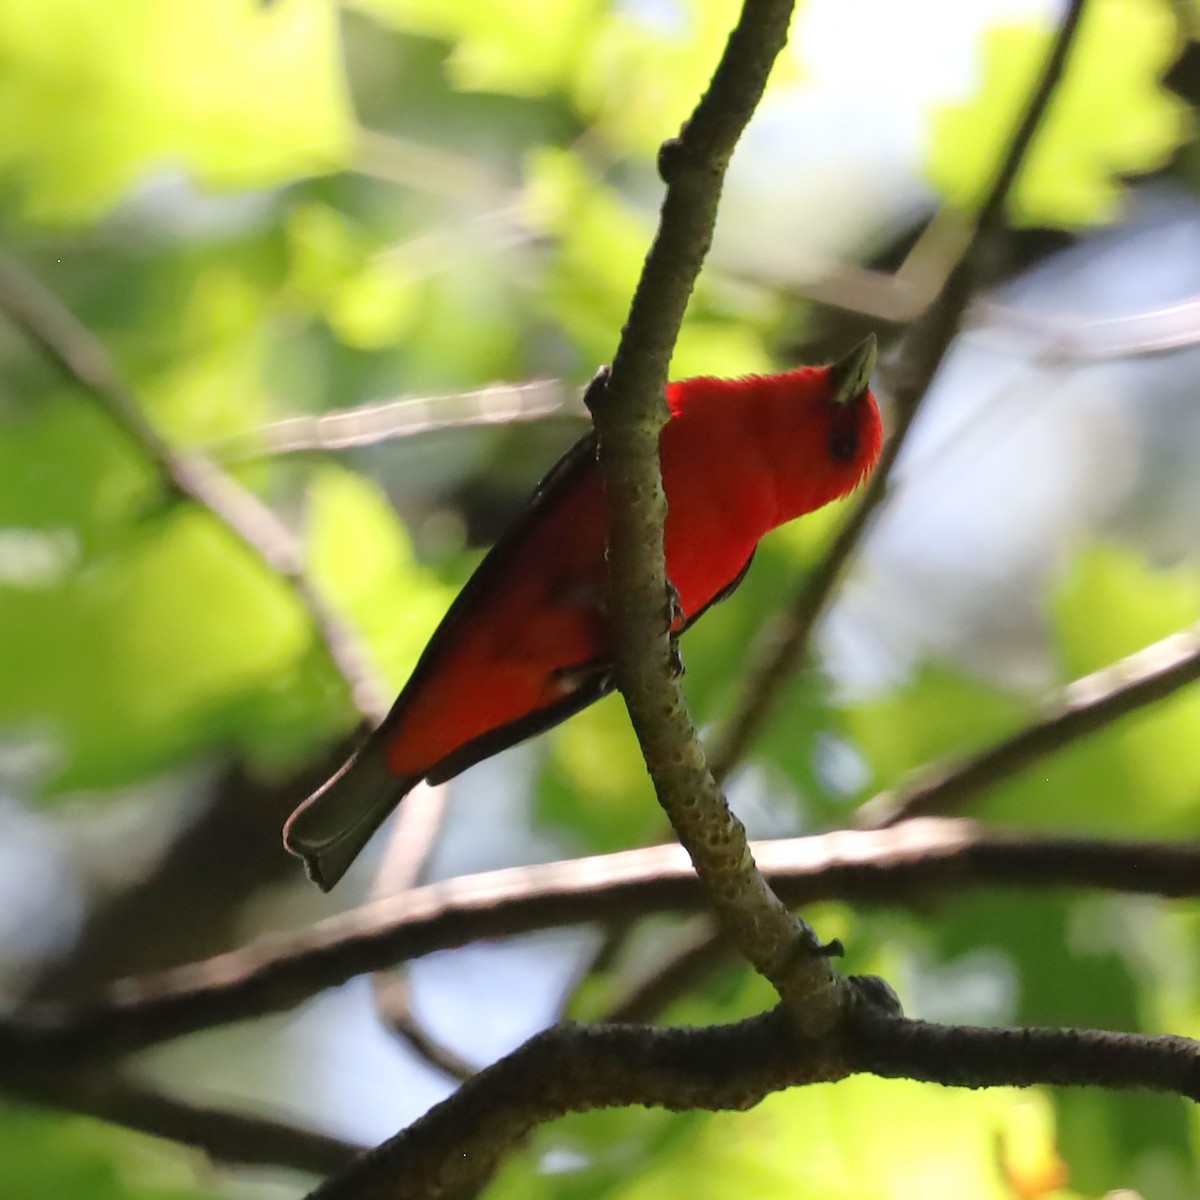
<point>49,1157</point>
<point>594,782</point>
<point>643,73</point>
<point>861,1138</point>
<point>601,238</point>
<point>939,714</point>
<point>361,557</point>
<point>1109,117</point>
<point>1142,774</point>
<point>1112,603</point>
<point>212,388</point>
<point>522,50</point>
<point>368,299</point>
<point>93,97</point>
<point>178,625</point>
<point>1075,964</point>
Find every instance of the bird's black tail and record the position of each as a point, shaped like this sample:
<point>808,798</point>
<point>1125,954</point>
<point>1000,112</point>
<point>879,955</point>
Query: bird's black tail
<point>330,828</point>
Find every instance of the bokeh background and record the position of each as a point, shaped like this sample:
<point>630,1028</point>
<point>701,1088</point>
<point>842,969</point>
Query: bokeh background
<point>428,216</point>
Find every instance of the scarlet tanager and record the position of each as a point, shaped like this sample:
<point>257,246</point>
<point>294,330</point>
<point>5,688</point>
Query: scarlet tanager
<point>526,644</point>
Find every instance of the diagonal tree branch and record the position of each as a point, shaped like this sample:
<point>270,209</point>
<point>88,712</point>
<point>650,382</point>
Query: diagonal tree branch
<point>629,413</point>
<point>73,348</point>
<point>681,969</point>
<point>914,863</point>
<point>1083,707</point>
<point>410,843</point>
<point>783,643</point>
<point>233,1138</point>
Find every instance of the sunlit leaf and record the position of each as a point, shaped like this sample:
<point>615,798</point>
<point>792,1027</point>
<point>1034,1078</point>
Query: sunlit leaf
<point>648,65</point>
<point>1110,116</point>
<point>362,558</point>
<point>367,298</point>
<point>48,1157</point>
<point>595,782</point>
<point>1072,962</point>
<point>601,242</point>
<point>1112,603</point>
<point>862,1137</point>
<point>215,390</point>
<point>94,98</point>
<point>940,713</point>
<point>525,50</point>
<point>179,625</point>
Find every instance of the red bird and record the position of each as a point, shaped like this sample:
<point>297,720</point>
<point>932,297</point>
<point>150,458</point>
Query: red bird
<point>526,643</point>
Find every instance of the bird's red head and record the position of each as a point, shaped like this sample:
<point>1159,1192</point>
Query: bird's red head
<point>816,430</point>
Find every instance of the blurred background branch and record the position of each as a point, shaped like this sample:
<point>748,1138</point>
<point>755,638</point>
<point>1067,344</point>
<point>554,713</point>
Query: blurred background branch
<point>39,314</point>
<point>959,243</point>
<point>908,865</point>
<point>410,843</point>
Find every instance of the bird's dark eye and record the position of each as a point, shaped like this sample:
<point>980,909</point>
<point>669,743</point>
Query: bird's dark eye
<point>843,443</point>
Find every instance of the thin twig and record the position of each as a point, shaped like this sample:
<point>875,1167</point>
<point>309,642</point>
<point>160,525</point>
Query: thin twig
<point>415,830</point>
<point>687,964</point>
<point>913,863</point>
<point>783,644</point>
<point>601,957</point>
<point>389,420</point>
<point>896,297</point>
<point>393,998</point>
<point>1082,708</point>
<point>414,834</point>
<point>84,360</point>
<point>232,1138</point>
<point>571,1068</point>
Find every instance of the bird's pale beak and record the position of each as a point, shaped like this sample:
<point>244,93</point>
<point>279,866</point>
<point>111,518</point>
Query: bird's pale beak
<point>852,373</point>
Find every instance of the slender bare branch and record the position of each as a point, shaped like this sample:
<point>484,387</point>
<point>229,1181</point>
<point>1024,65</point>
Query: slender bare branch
<point>783,643</point>
<point>393,998</point>
<point>687,963</point>
<point>910,864</point>
<point>388,420</point>
<point>606,952</point>
<point>413,836</point>
<point>1082,708</point>
<point>73,348</point>
<point>233,1138</point>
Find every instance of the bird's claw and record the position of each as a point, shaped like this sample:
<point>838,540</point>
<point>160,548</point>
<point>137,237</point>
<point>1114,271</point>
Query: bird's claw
<point>676,660</point>
<point>674,615</point>
<point>674,610</point>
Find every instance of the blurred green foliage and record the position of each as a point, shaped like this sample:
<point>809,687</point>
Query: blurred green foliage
<point>44,1157</point>
<point>1110,117</point>
<point>94,97</point>
<point>270,209</point>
